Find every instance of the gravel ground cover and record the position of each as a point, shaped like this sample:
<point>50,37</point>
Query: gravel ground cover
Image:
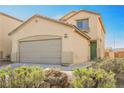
<point>66,68</point>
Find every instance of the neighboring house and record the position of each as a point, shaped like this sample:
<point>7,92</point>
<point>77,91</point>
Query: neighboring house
<point>119,53</point>
<point>77,37</point>
<point>7,24</point>
<point>109,53</point>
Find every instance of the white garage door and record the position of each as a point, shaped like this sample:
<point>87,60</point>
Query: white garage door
<point>43,51</point>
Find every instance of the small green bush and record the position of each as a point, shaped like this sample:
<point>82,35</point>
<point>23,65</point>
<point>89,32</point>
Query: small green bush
<point>21,77</point>
<point>93,78</point>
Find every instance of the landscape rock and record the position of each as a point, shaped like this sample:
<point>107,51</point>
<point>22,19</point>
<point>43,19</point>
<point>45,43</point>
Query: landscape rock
<point>56,78</point>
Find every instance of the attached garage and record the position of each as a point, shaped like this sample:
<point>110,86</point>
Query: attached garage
<point>41,51</point>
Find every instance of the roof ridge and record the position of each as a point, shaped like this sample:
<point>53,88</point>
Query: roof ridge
<point>53,19</point>
<point>89,11</point>
<point>68,14</point>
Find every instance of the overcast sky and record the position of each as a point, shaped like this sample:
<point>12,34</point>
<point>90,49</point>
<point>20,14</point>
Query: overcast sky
<point>112,16</point>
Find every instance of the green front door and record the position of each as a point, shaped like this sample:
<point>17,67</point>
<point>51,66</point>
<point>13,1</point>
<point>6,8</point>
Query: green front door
<point>93,50</point>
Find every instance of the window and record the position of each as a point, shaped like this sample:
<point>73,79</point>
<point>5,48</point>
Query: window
<point>83,24</point>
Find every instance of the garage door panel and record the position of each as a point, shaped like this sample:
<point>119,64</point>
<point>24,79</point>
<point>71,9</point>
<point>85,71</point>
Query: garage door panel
<point>42,60</point>
<point>41,55</point>
<point>44,51</point>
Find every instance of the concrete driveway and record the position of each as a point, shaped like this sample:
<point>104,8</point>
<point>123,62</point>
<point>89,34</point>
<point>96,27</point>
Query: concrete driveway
<point>65,68</point>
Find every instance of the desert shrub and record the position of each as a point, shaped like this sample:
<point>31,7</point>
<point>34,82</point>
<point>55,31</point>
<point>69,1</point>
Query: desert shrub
<point>23,77</point>
<point>93,78</point>
<point>56,78</point>
<point>114,65</point>
<point>3,77</point>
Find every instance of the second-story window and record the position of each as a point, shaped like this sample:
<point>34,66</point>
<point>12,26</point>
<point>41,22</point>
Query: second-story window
<point>83,24</point>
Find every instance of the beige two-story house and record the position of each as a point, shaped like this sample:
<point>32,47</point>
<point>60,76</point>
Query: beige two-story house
<point>75,38</point>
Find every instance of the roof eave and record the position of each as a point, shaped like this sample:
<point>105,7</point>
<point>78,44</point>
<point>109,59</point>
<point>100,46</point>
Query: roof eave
<point>102,25</point>
<point>82,33</point>
<point>66,15</point>
<point>10,17</point>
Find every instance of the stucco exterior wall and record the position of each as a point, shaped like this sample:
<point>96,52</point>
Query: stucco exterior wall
<point>6,25</point>
<point>101,40</point>
<point>75,44</point>
<point>95,31</point>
